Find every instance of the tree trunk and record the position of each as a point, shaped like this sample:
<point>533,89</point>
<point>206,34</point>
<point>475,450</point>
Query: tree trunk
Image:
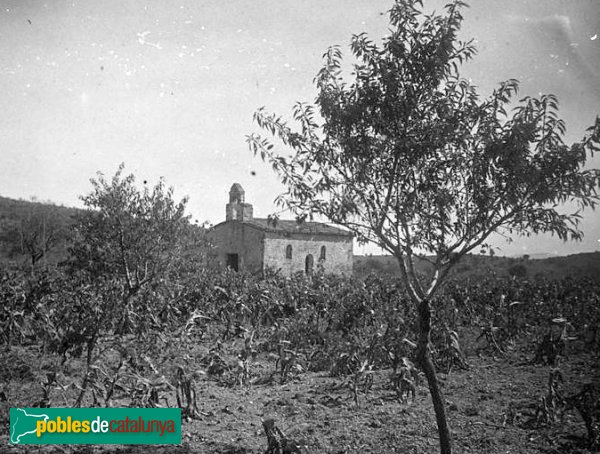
<point>424,360</point>
<point>91,344</point>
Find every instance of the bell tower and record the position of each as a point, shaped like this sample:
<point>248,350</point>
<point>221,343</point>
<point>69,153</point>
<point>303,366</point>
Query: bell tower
<point>237,209</point>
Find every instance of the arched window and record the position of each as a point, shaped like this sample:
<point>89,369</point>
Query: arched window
<point>288,251</point>
<point>323,253</point>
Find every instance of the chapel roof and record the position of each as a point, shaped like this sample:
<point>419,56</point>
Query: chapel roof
<point>286,226</point>
<point>305,227</point>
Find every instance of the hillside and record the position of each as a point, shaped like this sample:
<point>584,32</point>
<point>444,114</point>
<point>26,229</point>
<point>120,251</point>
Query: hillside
<point>586,264</point>
<point>33,229</point>
<point>21,216</point>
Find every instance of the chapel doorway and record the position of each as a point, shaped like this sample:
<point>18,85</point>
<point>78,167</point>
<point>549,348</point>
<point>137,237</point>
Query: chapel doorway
<point>308,264</point>
<point>233,261</point>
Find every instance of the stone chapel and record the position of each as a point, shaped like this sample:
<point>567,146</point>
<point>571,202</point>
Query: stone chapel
<point>251,244</point>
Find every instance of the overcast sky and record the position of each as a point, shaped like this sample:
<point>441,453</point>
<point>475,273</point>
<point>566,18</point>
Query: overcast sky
<point>169,87</point>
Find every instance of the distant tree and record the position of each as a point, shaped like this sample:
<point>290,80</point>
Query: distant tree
<point>39,229</point>
<point>408,156</point>
<point>519,270</point>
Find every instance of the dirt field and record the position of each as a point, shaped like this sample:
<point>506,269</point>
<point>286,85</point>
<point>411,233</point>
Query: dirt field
<point>491,409</point>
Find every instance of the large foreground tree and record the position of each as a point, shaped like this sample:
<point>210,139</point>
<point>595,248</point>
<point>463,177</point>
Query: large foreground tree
<point>407,155</point>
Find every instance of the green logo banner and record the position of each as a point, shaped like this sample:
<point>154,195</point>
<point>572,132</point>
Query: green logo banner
<point>84,426</point>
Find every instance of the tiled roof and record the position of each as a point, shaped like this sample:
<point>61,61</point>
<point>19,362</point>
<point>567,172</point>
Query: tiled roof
<point>295,227</point>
